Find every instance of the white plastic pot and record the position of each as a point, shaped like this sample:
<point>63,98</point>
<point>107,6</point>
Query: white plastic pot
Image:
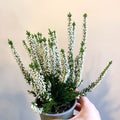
<point>65,115</point>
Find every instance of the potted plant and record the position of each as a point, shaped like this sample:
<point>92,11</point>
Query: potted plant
<point>53,75</point>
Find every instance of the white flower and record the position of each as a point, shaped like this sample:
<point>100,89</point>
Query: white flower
<point>36,109</point>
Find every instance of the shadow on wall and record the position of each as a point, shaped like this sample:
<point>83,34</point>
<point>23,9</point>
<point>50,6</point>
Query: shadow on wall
<point>15,107</point>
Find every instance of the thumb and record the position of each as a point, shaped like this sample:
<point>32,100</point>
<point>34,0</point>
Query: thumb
<point>84,102</point>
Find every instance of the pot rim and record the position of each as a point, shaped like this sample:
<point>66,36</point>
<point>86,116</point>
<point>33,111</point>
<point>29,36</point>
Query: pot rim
<point>58,114</point>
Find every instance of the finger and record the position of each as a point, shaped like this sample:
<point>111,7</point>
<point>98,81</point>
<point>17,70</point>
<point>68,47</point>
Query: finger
<point>78,107</point>
<point>76,91</point>
<point>73,115</point>
<point>84,101</point>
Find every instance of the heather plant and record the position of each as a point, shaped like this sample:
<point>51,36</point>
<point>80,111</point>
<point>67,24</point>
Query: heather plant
<point>54,75</point>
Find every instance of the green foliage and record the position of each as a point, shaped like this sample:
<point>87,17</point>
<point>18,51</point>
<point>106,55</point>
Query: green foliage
<point>69,15</point>
<point>31,65</point>
<point>51,44</point>
<point>39,34</point>
<point>24,43</point>
<point>28,33</point>
<point>73,24</point>
<point>62,50</point>
<point>34,65</point>
<point>50,107</point>
<point>10,43</point>
<point>44,39</point>
<point>33,103</point>
<point>50,32</point>
<point>32,92</point>
<point>82,43</point>
<point>85,15</point>
<point>81,50</point>
<point>61,94</point>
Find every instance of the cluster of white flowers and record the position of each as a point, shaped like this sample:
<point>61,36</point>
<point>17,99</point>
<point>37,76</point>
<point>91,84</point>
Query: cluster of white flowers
<point>55,63</point>
<point>71,33</point>
<point>80,58</point>
<point>39,86</point>
<point>33,50</point>
<point>36,109</point>
<point>46,60</point>
<point>47,57</point>
<point>65,66</point>
<point>26,73</point>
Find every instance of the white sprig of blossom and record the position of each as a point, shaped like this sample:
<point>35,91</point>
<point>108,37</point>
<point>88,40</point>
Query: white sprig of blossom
<point>54,54</point>
<point>71,33</point>
<point>26,73</point>
<point>65,66</point>
<point>47,57</point>
<point>80,58</point>
<point>39,84</point>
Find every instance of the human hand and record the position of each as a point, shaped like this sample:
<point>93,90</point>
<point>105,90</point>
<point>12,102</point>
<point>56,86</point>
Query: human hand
<point>87,111</point>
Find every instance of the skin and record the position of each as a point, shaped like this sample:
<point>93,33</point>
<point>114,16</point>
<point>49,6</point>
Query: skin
<point>87,111</point>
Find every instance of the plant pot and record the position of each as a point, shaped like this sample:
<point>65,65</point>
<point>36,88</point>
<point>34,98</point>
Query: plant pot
<point>65,115</point>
